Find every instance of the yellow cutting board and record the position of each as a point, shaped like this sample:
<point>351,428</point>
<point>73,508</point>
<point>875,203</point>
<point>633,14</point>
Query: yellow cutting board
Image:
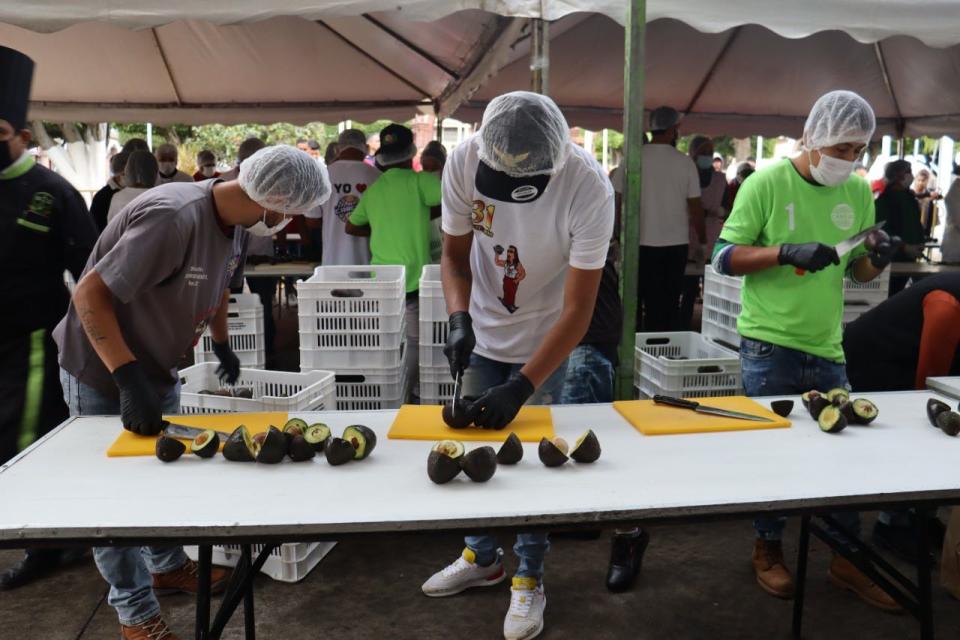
<point>132,444</point>
<point>425,422</point>
<point>656,419</point>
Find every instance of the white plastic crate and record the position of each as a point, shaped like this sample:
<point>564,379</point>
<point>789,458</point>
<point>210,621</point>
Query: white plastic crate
<point>289,562</point>
<point>705,370</point>
<point>436,384</point>
<point>370,389</point>
<point>272,391</point>
<point>245,326</point>
<point>433,319</point>
<point>332,351</point>
<point>372,291</point>
<point>871,293</point>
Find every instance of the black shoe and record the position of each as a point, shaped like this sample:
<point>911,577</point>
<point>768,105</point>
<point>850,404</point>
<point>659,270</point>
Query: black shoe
<point>900,541</point>
<point>35,564</point>
<point>626,556</point>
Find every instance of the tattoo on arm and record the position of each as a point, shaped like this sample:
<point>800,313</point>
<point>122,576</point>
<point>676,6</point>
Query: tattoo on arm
<point>90,324</point>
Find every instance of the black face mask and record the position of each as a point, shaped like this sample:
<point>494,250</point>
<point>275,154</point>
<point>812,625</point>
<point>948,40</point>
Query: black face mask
<point>5,158</point>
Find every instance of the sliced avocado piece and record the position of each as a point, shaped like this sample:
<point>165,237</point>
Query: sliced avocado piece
<point>169,449</point>
<point>864,411</point>
<point>206,444</point>
<point>831,420</point>
<point>838,397</point>
<point>511,452</point>
<point>300,450</point>
<point>295,423</point>
<point>480,464</point>
<point>239,446</point>
<point>339,451</point>
<point>817,404</point>
<point>553,453</point>
<point>317,435</point>
<point>934,408</point>
<point>273,448</point>
<point>363,439</point>
<point>443,463</point>
<point>782,407</point>
<point>806,397</point>
<point>587,448</point>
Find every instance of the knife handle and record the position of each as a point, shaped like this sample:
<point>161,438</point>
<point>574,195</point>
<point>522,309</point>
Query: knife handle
<point>799,271</point>
<point>676,402</point>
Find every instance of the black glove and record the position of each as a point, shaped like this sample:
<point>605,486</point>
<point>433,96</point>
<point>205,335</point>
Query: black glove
<point>229,369</point>
<point>810,256</point>
<point>499,405</point>
<point>139,401</point>
<point>881,248</point>
<point>460,342</point>
<point>498,249</point>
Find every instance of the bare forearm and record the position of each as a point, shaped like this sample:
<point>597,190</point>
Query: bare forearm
<point>94,304</point>
<point>363,230</point>
<point>455,274</point>
<point>218,325</point>
<point>864,271</point>
<point>744,259</point>
<point>559,342</point>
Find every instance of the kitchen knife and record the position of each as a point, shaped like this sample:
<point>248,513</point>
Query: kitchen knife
<point>456,394</point>
<point>182,431</point>
<point>713,411</point>
<point>846,246</point>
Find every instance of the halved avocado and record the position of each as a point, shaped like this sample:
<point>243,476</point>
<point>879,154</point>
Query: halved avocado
<point>511,452</point>
<point>807,397</point>
<point>293,424</point>
<point>934,408</point>
<point>458,420</point>
<point>817,404</point>
<point>206,444</point>
<point>863,411</point>
<point>949,422</point>
<point>242,392</point>
<point>480,464</point>
<point>838,397</point>
<point>553,453</point>
<point>317,435</point>
<point>339,451</point>
<point>443,463</point>
<point>363,439</point>
<point>831,420</point>
<point>300,450</point>
<point>169,449</point>
<point>274,447</point>
<point>587,448</point>
<point>782,407</point>
<point>239,446</point>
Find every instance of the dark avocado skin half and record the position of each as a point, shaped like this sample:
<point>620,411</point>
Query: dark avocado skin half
<point>210,448</point>
<point>549,454</point>
<point>511,452</point>
<point>480,464</point>
<point>169,449</point>
<point>274,447</point>
<point>367,438</point>
<point>235,448</point>
<point>782,407</point>
<point>818,404</point>
<point>441,468</point>
<point>949,422</point>
<point>339,451</point>
<point>839,425</point>
<point>459,421</point>
<point>300,450</point>
<point>934,408</point>
<point>588,450</point>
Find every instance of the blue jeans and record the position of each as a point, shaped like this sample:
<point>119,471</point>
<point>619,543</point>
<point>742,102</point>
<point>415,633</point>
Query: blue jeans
<point>772,370</point>
<point>126,569</point>
<point>530,548</point>
<point>589,377</point>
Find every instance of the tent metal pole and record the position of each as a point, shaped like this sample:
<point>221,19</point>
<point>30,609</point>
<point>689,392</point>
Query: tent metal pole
<point>540,57</point>
<point>633,118</point>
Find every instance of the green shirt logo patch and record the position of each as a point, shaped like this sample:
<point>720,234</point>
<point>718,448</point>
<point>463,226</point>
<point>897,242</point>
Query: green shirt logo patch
<point>843,216</point>
<point>41,204</point>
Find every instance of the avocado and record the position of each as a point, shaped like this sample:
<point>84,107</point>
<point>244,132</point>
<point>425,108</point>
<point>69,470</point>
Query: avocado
<point>935,408</point>
<point>443,463</point>
<point>239,446</point>
<point>782,407</point>
<point>363,439</point>
<point>861,411</point>
<point>293,424</point>
<point>169,449</point>
<point>274,447</point>
<point>300,450</point>
<point>317,435</point>
<point>242,392</point>
<point>460,420</point>
<point>339,451</point>
<point>807,397</point>
<point>480,464</point>
<point>838,397</point>
<point>949,422</point>
<point>587,448</point>
<point>511,452</point>
<point>206,444</point>
<point>831,420</point>
<point>817,404</point>
<point>553,453</point>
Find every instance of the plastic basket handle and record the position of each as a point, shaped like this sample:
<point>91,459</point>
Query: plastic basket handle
<point>347,293</point>
<point>366,275</point>
<point>713,368</point>
<point>350,378</point>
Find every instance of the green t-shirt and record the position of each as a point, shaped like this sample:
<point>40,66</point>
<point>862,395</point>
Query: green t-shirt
<point>397,208</point>
<point>777,206</point>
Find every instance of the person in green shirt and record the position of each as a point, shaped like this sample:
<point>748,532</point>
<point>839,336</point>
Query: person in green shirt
<point>899,208</point>
<point>780,236</point>
<point>395,212</point>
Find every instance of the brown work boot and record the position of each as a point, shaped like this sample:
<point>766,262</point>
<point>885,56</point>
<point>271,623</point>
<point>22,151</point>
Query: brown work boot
<point>185,580</point>
<point>772,574</point>
<point>153,629</point>
<point>843,574</point>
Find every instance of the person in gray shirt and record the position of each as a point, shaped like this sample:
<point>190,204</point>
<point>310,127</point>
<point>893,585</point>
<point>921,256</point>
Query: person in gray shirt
<point>158,275</point>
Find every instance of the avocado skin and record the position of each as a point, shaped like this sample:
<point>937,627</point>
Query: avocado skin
<point>300,450</point>
<point>511,452</point>
<point>441,468</point>
<point>588,450</point>
<point>549,454</point>
<point>235,448</point>
<point>339,451</point>
<point>369,440</point>
<point>169,449</point>
<point>274,447</point>
<point>782,407</point>
<point>480,464</point>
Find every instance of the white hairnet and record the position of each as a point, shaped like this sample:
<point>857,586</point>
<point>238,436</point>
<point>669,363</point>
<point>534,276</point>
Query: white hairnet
<point>838,117</point>
<point>524,134</point>
<point>284,179</point>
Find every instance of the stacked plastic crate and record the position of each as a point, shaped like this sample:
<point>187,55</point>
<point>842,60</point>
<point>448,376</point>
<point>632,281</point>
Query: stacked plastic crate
<point>245,325</point>
<point>351,323</point>
<point>436,385</point>
<point>255,390</point>
<point>684,364</point>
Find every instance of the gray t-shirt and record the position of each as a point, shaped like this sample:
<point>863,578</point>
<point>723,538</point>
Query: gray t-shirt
<point>167,260</point>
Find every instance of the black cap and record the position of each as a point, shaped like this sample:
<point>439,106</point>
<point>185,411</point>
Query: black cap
<point>396,145</point>
<point>506,188</point>
<point>16,74</point>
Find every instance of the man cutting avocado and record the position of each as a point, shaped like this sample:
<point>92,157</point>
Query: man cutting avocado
<point>158,275</point>
<point>782,236</point>
<point>527,219</point>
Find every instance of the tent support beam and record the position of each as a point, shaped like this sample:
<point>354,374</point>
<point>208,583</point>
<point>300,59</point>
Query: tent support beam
<point>166,65</point>
<point>362,52</point>
<point>413,47</point>
<point>540,57</point>
<point>713,67</point>
<point>233,106</point>
<point>882,61</point>
<point>634,78</point>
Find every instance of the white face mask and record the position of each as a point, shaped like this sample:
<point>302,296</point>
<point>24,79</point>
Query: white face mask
<point>260,228</point>
<point>831,171</point>
<point>208,172</point>
<point>167,168</point>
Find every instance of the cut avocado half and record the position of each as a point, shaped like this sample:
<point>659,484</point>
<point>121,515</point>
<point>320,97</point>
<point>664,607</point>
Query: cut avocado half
<point>782,407</point>
<point>296,426</point>
<point>553,453</point>
<point>831,420</point>
<point>838,397</point>
<point>511,452</point>
<point>239,446</point>
<point>317,435</point>
<point>587,448</point>
<point>443,463</point>
<point>949,422</point>
<point>300,450</point>
<point>934,408</point>
<point>339,451</point>
<point>362,438</point>
<point>273,448</point>
<point>480,464</point>
<point>169,449</point>
<point>206,444</point>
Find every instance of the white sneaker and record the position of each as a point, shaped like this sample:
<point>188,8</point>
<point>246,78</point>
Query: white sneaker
<point>463,574</point>
<point>525,618</point>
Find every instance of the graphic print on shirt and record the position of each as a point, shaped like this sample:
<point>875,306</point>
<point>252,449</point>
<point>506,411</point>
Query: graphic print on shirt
<point>513,274</point>
<point>843,216</point>
<point>37,215</point>
<point>483,217</point>
<point>347,202</point>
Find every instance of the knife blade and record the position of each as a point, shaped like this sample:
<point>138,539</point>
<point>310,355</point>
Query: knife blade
<point>456,394</point>
<point>713,411</point>
<point>846,246</point>
<point>182,431</point>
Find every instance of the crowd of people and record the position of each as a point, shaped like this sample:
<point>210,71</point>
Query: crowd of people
<point>530,246</point>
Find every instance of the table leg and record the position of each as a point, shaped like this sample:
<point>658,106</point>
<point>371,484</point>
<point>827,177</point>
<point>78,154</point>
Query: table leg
<point>249,623</point>
<point>801,582</point>
<point>241,589</point>
<point>204,560</point>
<point>923,575</point>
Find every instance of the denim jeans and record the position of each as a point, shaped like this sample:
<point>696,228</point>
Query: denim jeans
<point>589,377</point>
<point>772,370</point>
<point>126,569</point>
<point>530,548</point>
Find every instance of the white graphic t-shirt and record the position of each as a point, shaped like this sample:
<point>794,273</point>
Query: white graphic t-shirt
<point>521,252</point>
<point>350,178</point>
